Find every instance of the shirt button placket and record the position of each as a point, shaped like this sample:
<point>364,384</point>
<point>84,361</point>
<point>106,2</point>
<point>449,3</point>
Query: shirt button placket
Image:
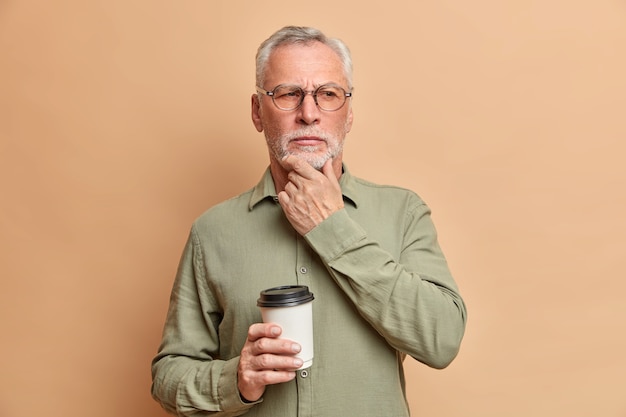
<point>305,393</point>
<point>303,260</point>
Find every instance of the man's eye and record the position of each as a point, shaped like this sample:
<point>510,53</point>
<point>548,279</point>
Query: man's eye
<point>328,93</point>
<point>287,94</point>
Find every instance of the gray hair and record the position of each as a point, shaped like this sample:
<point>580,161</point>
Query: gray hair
<point>301,35</point>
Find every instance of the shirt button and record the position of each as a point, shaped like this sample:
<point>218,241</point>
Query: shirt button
<point>304,373</point>
<point>303,270</point>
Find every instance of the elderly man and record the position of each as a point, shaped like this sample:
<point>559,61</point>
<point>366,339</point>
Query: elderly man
<point>368,252</point>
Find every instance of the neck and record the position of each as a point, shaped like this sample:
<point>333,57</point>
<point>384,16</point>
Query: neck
<point>279,175</point>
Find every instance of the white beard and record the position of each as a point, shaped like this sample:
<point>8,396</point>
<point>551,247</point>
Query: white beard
<point>334,147</point>
<point>308,154</point>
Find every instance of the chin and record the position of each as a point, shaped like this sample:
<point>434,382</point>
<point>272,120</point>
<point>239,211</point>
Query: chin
<point>316,161</point>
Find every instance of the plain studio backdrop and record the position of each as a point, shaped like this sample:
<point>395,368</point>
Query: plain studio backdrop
<point>122,121</point>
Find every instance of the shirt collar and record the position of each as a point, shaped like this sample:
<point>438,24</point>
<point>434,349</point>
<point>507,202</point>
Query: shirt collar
<point>265,188</point>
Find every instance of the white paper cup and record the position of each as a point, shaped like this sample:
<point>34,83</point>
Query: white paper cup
<point>291,307</point>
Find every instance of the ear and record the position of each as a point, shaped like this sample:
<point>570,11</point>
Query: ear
<point>349,120</point>
<point>256,113</point>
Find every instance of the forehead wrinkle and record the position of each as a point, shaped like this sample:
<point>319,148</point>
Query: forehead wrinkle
<point>315,86</point>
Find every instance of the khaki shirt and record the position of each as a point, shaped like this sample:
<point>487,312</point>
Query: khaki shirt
<point>382,290</point>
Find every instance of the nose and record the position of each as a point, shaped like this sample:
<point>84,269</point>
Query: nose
<point>309,112</point>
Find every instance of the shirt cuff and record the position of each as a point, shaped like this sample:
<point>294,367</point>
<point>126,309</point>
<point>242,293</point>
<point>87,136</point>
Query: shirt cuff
<point>335,235</point>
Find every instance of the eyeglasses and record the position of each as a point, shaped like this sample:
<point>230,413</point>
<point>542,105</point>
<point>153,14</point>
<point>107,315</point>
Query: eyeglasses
<point>328,97</point>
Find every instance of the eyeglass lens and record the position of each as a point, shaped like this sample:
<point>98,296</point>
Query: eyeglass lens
<point>328,98</point>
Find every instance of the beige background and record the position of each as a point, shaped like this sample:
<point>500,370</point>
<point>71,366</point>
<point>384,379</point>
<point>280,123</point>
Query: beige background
<point>121,121</point>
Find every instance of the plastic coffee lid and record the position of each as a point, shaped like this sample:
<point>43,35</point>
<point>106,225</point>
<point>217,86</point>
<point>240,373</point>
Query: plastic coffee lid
<point>285,296</point>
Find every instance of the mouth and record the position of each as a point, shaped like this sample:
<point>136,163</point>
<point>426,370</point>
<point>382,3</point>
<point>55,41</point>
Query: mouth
<point>307,141</point>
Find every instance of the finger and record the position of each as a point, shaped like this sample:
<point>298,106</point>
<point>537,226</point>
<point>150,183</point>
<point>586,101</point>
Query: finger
<point>259,330</point>
<point>283,198</point>
<point>264,339</point>
<point>290,189</point>
<point>300,166</point>
<point>270,377</point>
<point>275,346</point>
<point>294,178</point>
<point>272,362</point>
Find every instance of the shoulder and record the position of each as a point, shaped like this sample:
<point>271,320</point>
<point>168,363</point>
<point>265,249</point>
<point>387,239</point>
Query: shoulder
<point>224,211</point>
<point>390,194</point>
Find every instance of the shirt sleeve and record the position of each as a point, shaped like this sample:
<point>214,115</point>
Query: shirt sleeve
<point>411,300</point>
<point>187,379</point>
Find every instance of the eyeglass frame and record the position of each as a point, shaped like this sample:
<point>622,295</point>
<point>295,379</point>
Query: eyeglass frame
<point>346,95</point>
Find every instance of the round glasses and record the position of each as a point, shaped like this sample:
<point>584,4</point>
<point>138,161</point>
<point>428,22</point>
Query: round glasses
<point>328,97</point>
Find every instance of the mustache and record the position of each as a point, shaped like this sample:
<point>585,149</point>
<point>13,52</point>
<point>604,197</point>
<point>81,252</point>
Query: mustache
<point>306,132</point>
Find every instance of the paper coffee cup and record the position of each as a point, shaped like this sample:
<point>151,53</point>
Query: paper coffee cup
<point>291,308</point>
